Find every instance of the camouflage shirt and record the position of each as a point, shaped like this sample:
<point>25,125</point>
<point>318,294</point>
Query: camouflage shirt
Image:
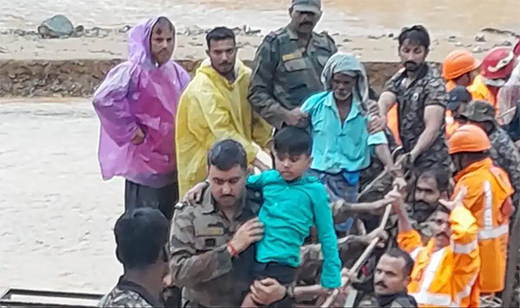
<point>505,154</point>
<point>426,90</point>
<point>200,261</point>
<point>286,73</point>
<point>128,294</point>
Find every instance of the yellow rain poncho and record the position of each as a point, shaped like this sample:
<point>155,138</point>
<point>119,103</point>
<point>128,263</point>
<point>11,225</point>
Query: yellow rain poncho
<point>212,109</point>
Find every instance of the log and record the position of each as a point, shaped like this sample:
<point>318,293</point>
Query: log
<point>362,259</point>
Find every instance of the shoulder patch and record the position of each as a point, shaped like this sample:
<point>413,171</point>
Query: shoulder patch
<point>180,205</point>
<point>271,36</point>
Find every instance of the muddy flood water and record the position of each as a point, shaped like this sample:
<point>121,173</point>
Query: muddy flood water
<point>360,17</point>
<point>56,213</point>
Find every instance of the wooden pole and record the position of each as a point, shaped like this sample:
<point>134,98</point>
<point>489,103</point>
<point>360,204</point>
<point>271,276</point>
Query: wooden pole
<point>362,259</point>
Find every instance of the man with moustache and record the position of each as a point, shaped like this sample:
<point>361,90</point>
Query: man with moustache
<point>447,267</point>
<point>214,107</point>
<point>421,97</point>
<point>391,278</point>
<point>136,105</point>
<point>288,66</point>
<point>212,249</point>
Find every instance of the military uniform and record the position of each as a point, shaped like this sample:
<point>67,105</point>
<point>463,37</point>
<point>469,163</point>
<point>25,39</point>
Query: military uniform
<point>285,73</point>
<point>427,89</point>
<point>199,258</point>
<point>131,295</point>
<point>505,154</point>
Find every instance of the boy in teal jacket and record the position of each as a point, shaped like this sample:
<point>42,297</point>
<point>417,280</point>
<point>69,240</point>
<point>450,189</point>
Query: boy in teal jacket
<point>293,203</point>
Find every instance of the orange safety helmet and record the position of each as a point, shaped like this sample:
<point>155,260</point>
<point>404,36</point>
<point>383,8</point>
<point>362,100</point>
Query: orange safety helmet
<point>468,138</point>
<point>458,63</point>
<point>498,65</point>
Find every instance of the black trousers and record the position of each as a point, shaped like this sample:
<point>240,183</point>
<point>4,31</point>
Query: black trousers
<point>163,199</point>
<point>285,275</point>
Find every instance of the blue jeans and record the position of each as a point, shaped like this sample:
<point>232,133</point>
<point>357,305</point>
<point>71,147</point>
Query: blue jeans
<point>338,187</point>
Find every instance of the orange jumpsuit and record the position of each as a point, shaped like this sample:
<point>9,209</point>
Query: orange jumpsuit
<point>445,277</point>
<point>489,200</point>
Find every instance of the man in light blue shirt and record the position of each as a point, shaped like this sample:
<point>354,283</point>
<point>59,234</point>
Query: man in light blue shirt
<point>342,144</point>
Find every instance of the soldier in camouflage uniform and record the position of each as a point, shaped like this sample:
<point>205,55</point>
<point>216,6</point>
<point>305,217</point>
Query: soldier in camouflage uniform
<point>212,242</point>
<point>288,65</point>
<point>141,237</point>
<point>421,97</point>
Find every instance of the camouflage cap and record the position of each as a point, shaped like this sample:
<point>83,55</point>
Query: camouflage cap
<point>313,6</point>
<point>480,111</point>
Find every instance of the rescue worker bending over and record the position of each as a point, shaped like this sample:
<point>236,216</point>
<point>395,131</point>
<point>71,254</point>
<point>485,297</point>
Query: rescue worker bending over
<point>446,269</point>
<point>488,199</point>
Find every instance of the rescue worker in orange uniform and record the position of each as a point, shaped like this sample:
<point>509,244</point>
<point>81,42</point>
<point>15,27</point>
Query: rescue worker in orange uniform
<point>488,198</point>
<point>496,69</point>
<point>446,269</point>
<point>459,69</point>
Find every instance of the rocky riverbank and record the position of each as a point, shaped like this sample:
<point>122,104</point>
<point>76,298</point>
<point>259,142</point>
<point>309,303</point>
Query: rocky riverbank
<point>74,66</point>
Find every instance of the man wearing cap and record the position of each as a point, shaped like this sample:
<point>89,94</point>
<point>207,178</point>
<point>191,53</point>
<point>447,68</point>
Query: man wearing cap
<point>459,69</point>
<point>503,151</point>
<point>459,98</point>
<point>497,67</point>
<point>288,65</point>
<point>505,154</point>
<point>489,200</point>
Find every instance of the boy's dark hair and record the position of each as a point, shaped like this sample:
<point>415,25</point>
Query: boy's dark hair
<point>293,141</point>
<point>164,22</point>
<point>401,254</point>
<point>227,154</point>
<point>219,34</point>
<point>417,34</point>
<point>441,177</point>
<point>141,235</point>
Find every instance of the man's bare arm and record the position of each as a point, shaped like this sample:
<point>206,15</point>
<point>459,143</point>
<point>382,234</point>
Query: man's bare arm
<point>433,116</point>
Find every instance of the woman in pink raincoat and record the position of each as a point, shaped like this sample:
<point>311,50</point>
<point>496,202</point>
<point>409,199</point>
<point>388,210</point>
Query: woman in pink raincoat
<point>136,105</point>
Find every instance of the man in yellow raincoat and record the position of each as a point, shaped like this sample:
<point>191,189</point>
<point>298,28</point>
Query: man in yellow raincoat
<point>214,106</point>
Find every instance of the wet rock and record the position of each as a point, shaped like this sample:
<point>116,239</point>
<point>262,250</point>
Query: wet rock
<point>390,35</point>
<point>125,29</point>
<point>452,38</point>
<point>19,32</point>
<point>500,31</point>
<point>57,26</point>
<point>480,38</point>
<point>477,49</point>
<point>506,44</point>
<point>194,30</point>
<point>345,40</point>
<point>376,37</point>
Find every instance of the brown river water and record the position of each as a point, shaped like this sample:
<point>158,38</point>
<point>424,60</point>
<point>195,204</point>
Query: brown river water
<point>56,214</point>
<point>357,17</point>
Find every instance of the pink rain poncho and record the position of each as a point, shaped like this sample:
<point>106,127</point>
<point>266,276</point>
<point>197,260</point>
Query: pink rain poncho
<point>137,93</point>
